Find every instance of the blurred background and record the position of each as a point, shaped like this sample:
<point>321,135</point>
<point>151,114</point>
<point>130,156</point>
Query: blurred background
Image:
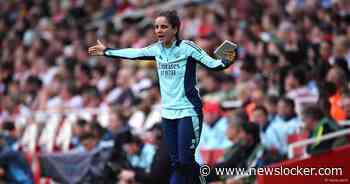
<point>291,82</point>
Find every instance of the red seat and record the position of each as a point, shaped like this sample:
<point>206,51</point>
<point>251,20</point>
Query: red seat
<point>211,156</point>
<point>292,138</point>
<point>337,158</point>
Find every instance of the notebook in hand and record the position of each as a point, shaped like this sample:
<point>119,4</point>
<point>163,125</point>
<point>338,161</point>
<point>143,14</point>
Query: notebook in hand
<point>225,46</point>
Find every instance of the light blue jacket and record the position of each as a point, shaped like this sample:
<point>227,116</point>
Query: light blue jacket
<point>214,137</point>
<point>276,135</point>
<point>144,159</point>
<point>176,67</point>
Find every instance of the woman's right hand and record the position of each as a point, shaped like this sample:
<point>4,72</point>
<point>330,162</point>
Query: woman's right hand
<point>97,50</point>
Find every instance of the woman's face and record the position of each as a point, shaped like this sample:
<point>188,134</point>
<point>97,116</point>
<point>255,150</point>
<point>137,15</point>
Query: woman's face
<point>163,30</point>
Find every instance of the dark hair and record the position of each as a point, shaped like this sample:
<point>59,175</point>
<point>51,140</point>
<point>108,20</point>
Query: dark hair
<point>34,80</point>
<point>288,101</point>
<point>313,112</point>
<point>8,125</point>
<point>343,65</point>
<point>238,118</point>
<point>173,19</point>
<point>81,122</point>
<point>299,74</point>
<point>133,139</point>
<point>341,76</point>
<point>261,108</point>
<point>251,129</point>
<point>86,136</point>
<point>272,99</point>
<point>97,129</point>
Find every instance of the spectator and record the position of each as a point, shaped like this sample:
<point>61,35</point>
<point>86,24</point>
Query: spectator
<point>138,119</point>
<point>235,121</point>
<point>297,89</point>
<point>116,125</point>
<point>260,117</point>
<point>336,76</point>
<point>346,105</point>
<point>88,141</point>
<point>11,132</point>
<point>13,163</point>
<point>286,123</point>
<point>160,170</point>
<point>78,130</point>
<point>317,125</point>
<point>123,93</point>
<point>257,99</point>
<point>271,106</point>
<point>139,154</point>
<point>214,128</point>
<point>248,140</point>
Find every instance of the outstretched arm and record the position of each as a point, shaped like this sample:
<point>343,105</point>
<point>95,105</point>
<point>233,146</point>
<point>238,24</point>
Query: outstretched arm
<point>205,60</point>
<point>130,53</point>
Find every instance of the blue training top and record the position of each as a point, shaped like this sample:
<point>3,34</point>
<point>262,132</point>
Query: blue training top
<point>176,67</point>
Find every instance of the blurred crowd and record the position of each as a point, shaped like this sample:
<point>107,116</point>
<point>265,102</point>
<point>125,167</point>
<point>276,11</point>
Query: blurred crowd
<point>292,77</point>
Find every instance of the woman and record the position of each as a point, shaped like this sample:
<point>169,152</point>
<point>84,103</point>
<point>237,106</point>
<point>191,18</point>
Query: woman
<point>181,105</point>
